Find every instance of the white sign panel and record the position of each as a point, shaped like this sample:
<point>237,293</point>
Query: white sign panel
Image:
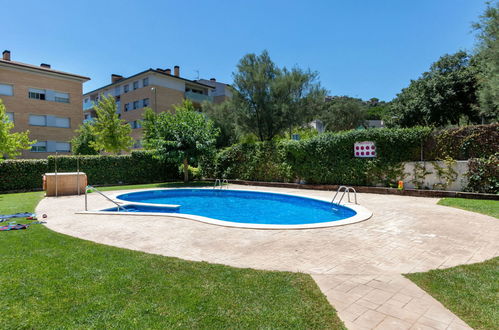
<point>364,149</point>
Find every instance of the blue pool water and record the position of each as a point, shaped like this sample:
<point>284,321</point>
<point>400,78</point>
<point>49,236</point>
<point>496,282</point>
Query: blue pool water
<point>240,206</point>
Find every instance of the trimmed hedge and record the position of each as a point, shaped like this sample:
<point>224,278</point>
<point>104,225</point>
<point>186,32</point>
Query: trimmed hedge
<point>22,174</point>
<point>250,161</point>
<point>328,158</point>
<point>325,159</point>
<point>137,167</point>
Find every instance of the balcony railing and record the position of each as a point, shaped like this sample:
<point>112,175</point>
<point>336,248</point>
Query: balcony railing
<point>88,105</point>
<point>196,97</point>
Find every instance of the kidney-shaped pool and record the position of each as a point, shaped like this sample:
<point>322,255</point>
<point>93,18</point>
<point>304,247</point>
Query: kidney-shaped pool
<point>241,208</point>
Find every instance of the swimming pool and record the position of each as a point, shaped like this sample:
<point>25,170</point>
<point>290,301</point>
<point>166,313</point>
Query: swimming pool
<point>240,208</point>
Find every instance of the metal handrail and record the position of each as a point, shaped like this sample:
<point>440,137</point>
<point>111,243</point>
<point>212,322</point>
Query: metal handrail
<point>346,190</point>
<point>354,194</point>
<point>225,181</point>
<point>217,181</point>
<point>337,192</point>
<point>100,193</point>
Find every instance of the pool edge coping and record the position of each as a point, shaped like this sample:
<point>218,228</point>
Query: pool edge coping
<point>362,213</point>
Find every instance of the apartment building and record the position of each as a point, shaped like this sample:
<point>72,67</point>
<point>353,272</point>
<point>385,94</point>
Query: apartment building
<point>157,89</point>
<point>220,91</point>
<point>44,101</point>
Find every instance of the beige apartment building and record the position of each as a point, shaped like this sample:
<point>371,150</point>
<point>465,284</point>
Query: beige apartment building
<point>157,89</point>
<point>44,101</point>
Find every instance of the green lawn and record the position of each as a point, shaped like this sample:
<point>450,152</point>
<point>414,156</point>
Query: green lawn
<point>50,280</point>
<point>158,185</point>
<point>469,291</point>
<point>488,207</point>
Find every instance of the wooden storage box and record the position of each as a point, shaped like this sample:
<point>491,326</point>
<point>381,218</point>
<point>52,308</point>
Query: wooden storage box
<point>63,184</point>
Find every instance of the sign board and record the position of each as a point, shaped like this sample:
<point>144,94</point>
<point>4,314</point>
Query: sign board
<point>364,149</point>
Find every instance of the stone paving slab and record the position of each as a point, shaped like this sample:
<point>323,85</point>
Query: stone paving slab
<point>385,302</point>
<point>357,266</point>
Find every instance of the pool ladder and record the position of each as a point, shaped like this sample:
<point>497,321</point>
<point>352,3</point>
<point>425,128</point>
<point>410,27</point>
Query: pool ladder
<point>345,190</point>
<point>100,193</point>
<point>220,183</point>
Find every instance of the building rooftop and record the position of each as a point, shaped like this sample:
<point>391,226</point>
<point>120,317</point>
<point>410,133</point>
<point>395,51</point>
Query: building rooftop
<point>157,71</point>
<point>43,68</point>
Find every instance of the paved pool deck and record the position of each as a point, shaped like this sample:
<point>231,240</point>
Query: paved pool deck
<point>357,266</point>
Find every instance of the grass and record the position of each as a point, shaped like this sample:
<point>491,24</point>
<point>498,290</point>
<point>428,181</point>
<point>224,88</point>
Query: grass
<point>488,207</point>
<point>469,291</point>
<point>158,185</point>
<point>50,280</point>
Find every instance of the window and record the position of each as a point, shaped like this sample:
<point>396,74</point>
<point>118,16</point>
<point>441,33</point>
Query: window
<point>125,89</point>
<point>135,85</point>
<point>145,82</point>
<point>135,105</point>
<point>127,106</point>
<point>37,94</point>
<point>61,97</point>
<point>11,116</point>
<point>62,122</point>
<point>145,102</point>
<point>35,120</point>
<point>6,89</point>
<point>50,121</point>
<point>39,147</point>
<point>136,124</point>
<point>62,147</point>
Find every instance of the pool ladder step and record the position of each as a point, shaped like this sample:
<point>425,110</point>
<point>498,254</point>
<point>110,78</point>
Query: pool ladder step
<point>345,190</point>
<point>220,184</point>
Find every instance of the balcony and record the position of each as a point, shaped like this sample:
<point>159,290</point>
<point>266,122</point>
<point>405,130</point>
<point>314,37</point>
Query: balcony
<point>199,98</point>
<point>88,105</point>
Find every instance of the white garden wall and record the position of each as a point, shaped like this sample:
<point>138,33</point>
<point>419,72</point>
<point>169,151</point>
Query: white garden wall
<point>461,168</point>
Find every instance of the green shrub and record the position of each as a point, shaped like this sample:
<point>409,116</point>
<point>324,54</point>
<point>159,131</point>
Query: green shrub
<point>137,167</point>
<point>474,141</point>
<point>483,174</point>
<point>326,158</point>
<point>329,158</point>
<point>260,161</point>
<point>22,174</point>
<point>194,172</point>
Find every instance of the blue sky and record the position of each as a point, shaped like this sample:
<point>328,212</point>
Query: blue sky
<point>369,48</point>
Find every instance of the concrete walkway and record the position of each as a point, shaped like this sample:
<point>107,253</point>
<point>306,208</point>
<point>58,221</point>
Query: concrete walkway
<point>357,266</point>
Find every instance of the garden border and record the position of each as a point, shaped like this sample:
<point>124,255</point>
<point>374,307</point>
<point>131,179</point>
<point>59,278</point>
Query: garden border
<point>373,190</point>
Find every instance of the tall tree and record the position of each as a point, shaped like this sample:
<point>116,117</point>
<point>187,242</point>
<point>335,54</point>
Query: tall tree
<point>81,143</point>
<point>343,113</point>
<point>269,100</point>
<point>112,134</point>
<point>446,94</point>
<point>224,117</point>
<point>487,55</point>
<point>184,136</point>
<point>11,144</point>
